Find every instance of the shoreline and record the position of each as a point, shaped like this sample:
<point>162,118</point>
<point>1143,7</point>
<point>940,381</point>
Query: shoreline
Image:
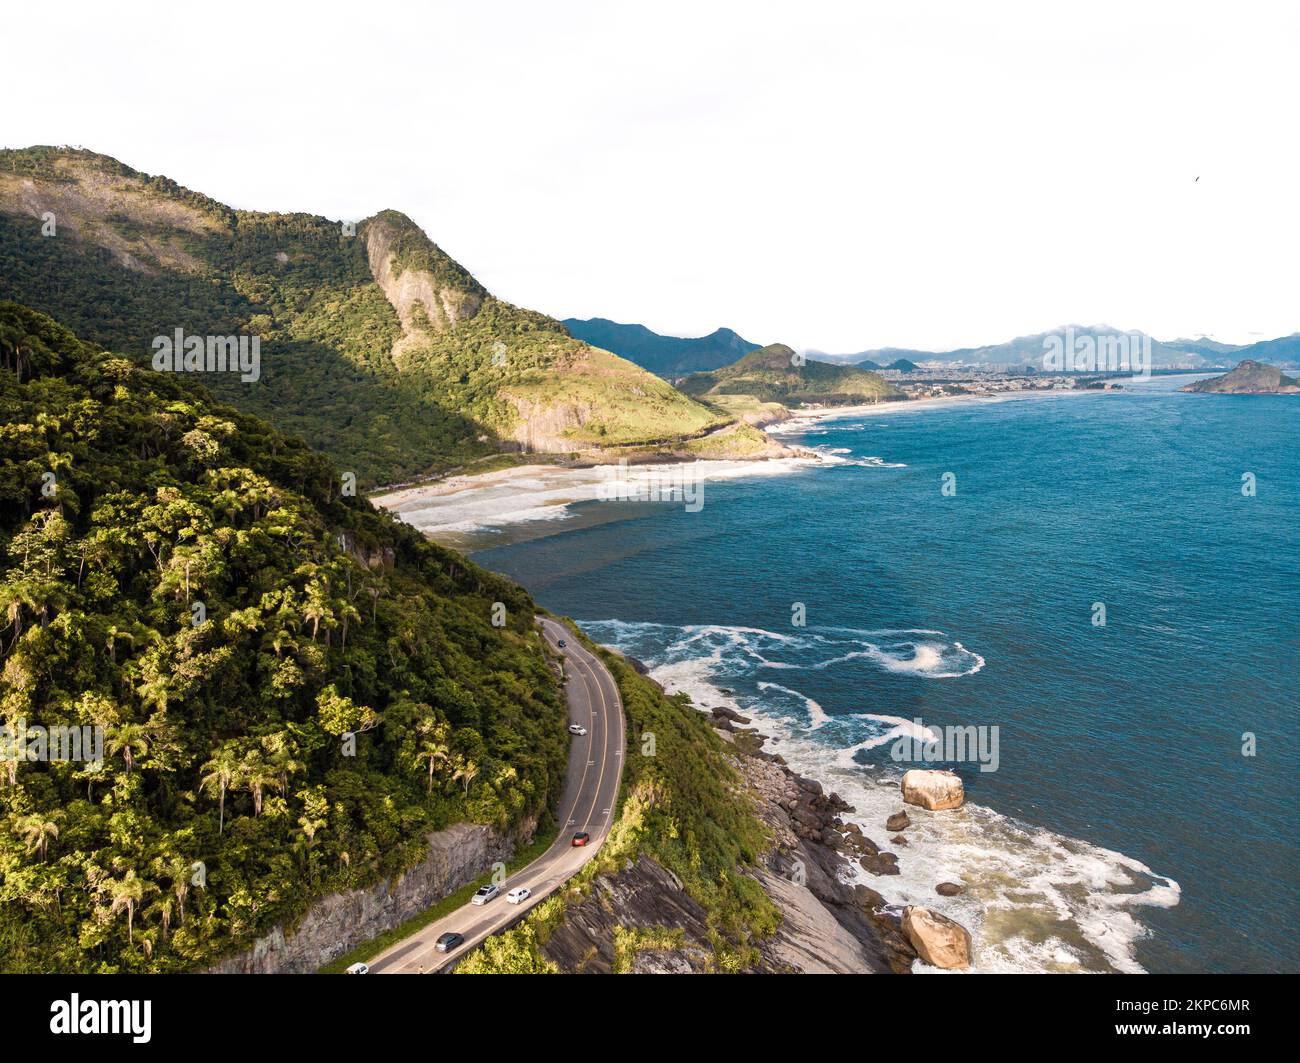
<point>396,496</point>
<point>1033,899</point>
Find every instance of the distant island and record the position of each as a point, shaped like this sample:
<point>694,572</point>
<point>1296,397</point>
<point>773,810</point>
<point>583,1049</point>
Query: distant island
<point>1248,378</point>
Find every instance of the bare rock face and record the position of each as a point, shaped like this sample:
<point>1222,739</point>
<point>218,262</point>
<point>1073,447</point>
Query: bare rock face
<point>935,790</point>
<point>442,305</point>
<point>341,921</point>
<point>938,940</point>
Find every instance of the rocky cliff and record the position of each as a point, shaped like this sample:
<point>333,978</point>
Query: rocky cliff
<point>338,923</point>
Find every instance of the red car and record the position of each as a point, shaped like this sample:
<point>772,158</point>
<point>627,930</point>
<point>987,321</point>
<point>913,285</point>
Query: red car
<point>581,838</point>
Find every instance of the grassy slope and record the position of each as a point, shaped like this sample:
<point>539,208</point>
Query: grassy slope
<point>322,616</point>
<point>138,256</point>
<point>771,375</point>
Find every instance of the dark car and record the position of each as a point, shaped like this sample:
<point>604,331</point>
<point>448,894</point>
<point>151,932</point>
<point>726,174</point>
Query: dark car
<point>581,838</point>
<point>562,643</point>
<point>449,941</point>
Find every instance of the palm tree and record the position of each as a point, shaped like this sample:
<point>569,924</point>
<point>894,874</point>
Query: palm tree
<point>161,910</point>
<point>37,831</point>
<point>111,638</point>
<point>434,751</point>
<point>466,771</point>
<point>126,894</point>
<point>222,771</point>
<point>256,774</point>
<point>131,740</point>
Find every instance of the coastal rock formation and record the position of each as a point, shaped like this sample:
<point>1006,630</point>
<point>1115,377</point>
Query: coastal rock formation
<point>938,940</point>
<point>1248,378</point>
<point>898,821</point>
<point>949,889</point>
<point>935,790</point>
<point>641,919</point>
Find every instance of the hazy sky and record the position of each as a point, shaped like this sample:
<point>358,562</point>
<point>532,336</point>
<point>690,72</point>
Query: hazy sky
<point>839,176</point>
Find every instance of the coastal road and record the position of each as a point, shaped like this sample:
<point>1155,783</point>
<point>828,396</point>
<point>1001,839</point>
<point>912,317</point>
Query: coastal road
<point>590,790</point>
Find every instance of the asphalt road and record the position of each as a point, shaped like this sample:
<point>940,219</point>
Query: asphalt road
<point>590,790</point>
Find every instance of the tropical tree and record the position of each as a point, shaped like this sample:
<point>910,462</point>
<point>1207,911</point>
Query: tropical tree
<point>125,895</point>
<point>220,774</point>
<point>37,830</point>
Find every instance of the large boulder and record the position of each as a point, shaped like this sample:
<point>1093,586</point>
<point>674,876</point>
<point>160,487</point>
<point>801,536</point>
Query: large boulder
<point>898,821</point>
<point>938,940</point>
<point>935,790</point>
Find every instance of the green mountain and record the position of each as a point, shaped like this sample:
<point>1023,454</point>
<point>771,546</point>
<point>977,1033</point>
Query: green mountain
<point>290,690</point>
<point>668,356</point>
<point>203,590</point>
<point>375,345</point>
<point>1248,378</point>
<point>775,374</point>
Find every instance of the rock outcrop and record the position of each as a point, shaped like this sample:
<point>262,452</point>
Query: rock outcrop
<point>1248,378</point>
<point>934,790</point>
<point>938,940</point>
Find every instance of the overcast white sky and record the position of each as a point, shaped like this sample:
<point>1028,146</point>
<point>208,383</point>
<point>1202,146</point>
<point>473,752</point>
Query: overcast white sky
<point>831,175</point>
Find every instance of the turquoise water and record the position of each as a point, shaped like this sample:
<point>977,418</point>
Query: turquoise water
<point>1123,829</point>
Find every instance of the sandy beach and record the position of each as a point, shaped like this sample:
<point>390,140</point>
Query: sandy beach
<point>470,511</point>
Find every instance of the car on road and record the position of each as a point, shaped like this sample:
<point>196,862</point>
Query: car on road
<point>518,894</point>
<point>577,729</point>
<point>449,941</point>
<point>581,838</point>
<point>562,644</point>
<point>485,893</point>
<point>359,968</point>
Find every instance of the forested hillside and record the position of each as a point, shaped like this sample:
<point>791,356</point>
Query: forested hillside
<point>776,374</point>
<point>377,347</point>
<point>202,589</point>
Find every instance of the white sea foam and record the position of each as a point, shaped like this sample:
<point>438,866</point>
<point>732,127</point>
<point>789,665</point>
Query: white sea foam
<point>1034,900</point>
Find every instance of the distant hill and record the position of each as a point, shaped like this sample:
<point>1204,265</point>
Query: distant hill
<point>1285,349</point>
<point>1248,378</point>
<point>868,364</point>
<point>775,374</point>
<point>667,356</point>
<point>903,365</point>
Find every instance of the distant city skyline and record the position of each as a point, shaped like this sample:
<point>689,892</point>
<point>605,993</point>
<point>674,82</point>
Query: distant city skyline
<point>930,177</point>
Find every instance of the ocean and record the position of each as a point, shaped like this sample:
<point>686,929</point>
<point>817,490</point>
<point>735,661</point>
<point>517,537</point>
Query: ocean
<point>951,567</point>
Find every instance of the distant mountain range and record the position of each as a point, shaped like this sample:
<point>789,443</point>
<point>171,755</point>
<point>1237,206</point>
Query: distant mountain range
<point>1029,350</point>
<point>667,356</point>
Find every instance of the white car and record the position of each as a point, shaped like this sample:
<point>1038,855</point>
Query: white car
<point>577,729</point>
<point>485,893</point>
<point>359,968</point>
<point>519,893</point>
